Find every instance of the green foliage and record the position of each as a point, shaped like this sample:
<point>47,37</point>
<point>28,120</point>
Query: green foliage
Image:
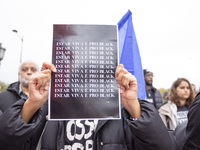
<point>161,90</point>
<point>3,86</point>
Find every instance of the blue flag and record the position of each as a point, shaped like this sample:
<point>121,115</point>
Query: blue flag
<point>129,54</point>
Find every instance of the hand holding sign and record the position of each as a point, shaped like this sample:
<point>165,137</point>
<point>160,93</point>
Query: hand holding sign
<point>128,91</point>
<point>38,91</point>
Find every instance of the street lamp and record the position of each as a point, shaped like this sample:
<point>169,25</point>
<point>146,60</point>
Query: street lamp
<point>21,38</point>
<point>2,52</point>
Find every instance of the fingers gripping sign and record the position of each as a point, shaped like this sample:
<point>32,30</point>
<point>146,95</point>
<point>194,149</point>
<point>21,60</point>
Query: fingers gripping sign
<point>127,84</point>
<point>40,82</point>
<point>38,94</point>
<point>47,65</point>
<point>128,91</point>
<point>39,86</point>
<point>38,91</point>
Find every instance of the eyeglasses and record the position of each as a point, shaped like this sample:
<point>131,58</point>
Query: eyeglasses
<point>149,75</point>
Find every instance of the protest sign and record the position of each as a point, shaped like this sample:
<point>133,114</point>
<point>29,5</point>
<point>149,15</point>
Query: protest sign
<point>84,86</point>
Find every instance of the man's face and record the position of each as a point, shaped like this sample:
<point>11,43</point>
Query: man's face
<point>26,70</point>
<point>148,78</point>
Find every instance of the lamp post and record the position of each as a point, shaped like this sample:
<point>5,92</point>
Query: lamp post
<point>21,38</point>
<point>2,52</point>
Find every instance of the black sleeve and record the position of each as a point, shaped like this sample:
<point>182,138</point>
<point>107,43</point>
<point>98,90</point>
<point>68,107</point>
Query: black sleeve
<point>14,131</point>
<point>149,130</point>
<point>180,134</point>
<point>193,127</point>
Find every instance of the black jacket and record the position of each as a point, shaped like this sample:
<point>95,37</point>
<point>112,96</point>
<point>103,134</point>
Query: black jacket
<point>157,98</point>
<point>13,130</point>
<point>146,133</point>
<point>193,127</point>
<point>180,134</point>
<point>9,96</point>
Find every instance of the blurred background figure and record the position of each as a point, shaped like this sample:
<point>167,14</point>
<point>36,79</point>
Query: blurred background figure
<point>180,98</point>
<point>153,95</point>
<point>0,88</point>
<point>165,96</point>
<point>194,89</point>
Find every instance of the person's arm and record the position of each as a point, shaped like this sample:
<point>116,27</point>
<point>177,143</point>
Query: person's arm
<point>38,91</point>
<point>128,91</point>
<point>148,131</point>
<point>16,127</point>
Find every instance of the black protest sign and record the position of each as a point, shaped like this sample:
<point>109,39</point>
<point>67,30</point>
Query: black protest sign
<point>84,86</point>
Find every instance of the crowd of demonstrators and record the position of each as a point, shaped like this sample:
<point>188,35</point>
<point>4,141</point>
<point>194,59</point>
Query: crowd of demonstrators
<point>152,94</point>
<point>23,122</point>
<point>181,97</point>
<point>25,126</point>
<point>19,89</point>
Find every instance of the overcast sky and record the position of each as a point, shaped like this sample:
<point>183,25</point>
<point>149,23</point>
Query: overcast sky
<point>167,32</point>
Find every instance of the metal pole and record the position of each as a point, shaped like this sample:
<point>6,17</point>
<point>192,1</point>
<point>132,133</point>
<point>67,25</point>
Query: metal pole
<point>21,50</point>
<point>21,38</point>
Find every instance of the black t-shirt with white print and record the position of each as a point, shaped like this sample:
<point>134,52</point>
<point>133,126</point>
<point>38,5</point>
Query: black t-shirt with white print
<point>182,114</point>
<point>79,134</point>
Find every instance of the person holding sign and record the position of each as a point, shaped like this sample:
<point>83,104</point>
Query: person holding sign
<point>140,128</point>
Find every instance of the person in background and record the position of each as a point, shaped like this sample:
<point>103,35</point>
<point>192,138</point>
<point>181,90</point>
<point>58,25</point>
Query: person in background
<point>165,96</point>
<point>140,127</point>
<point>19,89</point>
<point>180,98</point>
<point>153,95</point>
<point>0,88</point>
<point>194,89</point>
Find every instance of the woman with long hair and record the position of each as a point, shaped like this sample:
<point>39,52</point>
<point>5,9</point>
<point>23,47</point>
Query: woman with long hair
<point>181,97</point>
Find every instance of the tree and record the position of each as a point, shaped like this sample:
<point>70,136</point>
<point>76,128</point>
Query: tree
<point>3,86</point>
